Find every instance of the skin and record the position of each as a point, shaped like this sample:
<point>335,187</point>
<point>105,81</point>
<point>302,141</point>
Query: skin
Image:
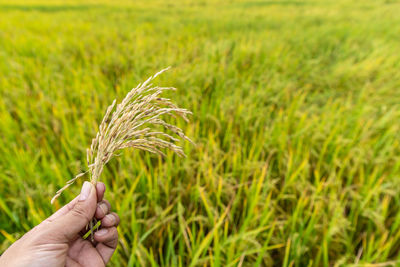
<point>57,241</point>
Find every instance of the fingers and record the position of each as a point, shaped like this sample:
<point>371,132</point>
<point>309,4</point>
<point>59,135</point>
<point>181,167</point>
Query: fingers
<point>108,241</point>
<point>103,207</point>
<point>100,189</point>
<point>110,220</point>
<point>107,237</point>
<point>69,225</point>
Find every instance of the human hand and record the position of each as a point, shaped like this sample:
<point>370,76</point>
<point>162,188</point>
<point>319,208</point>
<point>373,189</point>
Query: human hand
<point>57,241</point>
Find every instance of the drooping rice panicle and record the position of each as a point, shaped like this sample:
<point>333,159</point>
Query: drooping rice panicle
<point>134,123</point>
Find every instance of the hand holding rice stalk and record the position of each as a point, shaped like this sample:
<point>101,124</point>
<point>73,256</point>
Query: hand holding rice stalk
<point>131,123</point>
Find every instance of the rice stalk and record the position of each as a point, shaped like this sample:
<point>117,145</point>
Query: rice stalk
<point>134,123</point>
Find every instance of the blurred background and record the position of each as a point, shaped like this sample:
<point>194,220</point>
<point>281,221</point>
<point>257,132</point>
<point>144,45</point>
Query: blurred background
<point>295,116</point>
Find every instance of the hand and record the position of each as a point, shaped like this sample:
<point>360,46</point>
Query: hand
<point>57,240</point>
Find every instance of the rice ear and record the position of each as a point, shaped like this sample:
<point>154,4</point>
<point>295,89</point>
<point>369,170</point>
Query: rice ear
<point>70,182</point>
<point>134,123</point>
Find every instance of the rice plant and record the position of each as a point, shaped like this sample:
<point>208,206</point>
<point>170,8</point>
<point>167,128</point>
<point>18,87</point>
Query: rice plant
<point>134,123</point>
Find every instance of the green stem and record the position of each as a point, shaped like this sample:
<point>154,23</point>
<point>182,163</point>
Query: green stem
<point>92,230</point>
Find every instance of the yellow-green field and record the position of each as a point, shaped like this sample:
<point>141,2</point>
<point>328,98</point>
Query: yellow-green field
<point>296,118</point>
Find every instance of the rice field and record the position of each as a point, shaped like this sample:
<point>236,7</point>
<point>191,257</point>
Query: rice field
<point>296,111</point>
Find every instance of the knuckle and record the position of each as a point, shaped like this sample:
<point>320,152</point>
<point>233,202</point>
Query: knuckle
<point>114,237</point>
<point>103,207</point>
<point>107,203</point>
<point>80,212</point>
<point>116,218</point>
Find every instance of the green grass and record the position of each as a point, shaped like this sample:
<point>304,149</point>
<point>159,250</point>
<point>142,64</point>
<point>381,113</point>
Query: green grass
<point>296,118</point>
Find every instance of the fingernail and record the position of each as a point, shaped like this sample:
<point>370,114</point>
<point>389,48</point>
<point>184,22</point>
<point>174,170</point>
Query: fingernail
<point>102,232</point>
<point>85,191</point>
<point>110,218</point>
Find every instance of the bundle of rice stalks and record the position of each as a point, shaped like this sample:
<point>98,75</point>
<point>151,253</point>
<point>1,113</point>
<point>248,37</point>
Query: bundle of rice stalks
<point>136,122</point>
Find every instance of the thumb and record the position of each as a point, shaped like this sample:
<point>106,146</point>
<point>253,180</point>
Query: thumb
<point>80,215</point>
